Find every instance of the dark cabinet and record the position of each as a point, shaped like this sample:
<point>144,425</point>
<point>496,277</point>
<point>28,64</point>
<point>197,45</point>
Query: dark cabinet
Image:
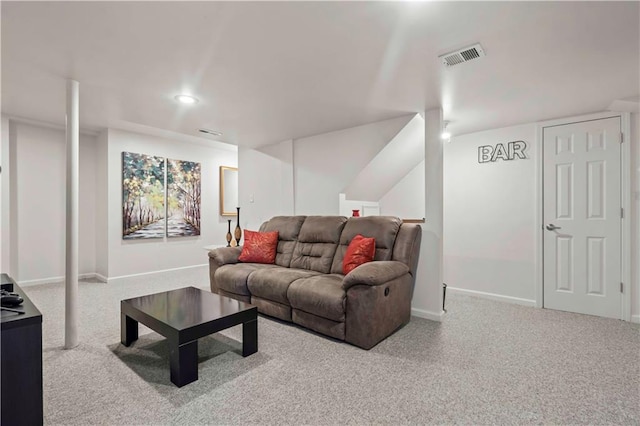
<point>21,364</point>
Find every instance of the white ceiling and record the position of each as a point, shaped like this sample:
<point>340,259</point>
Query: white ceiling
<point>266,72</point>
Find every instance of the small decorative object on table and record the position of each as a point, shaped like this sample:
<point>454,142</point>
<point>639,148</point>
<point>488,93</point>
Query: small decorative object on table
<point>238,231</point>
<point>229,236</point>
<point>355,213</point>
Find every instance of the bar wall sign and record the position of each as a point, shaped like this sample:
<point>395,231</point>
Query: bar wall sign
<point>502,151</point>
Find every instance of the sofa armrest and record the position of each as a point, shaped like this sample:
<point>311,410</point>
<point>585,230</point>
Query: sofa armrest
<point>225,255</point>
<point>217,258</point>
<point>375,273</point>
<point>373,312</point>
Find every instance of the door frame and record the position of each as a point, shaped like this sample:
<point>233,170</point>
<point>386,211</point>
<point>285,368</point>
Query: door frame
<point>625,189</point>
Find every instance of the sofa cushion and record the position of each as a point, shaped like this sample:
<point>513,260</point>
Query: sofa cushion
<point>259,247</point>
<point>383,228</point>
<point>233,278</point>
<point>361,250</point>
<point>322,325</point>
<point>288,228</point>
<point>317,243</point>
<point>321,295</point>
<point>271,308</point>
<point>241,297</point>
<point>272,284</point>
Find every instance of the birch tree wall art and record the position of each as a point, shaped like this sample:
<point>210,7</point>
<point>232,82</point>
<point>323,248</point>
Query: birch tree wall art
<point>159,197</point>
<point>143,207</point>
<point>183,198</point>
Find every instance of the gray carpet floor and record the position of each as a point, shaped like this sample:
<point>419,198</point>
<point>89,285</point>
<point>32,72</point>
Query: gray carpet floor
<point>486,363</point>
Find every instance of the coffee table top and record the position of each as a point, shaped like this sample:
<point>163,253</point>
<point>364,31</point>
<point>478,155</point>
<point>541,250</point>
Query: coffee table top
<point>187,307</point>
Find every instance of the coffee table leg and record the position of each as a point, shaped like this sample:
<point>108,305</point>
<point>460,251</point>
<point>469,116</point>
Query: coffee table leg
<point>250,337</point>
<point>128,330</point>
<point>184,363</point>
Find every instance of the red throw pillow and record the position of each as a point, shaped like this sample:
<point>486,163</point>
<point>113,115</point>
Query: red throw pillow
<point>361,250</point>
<point>259,247</point>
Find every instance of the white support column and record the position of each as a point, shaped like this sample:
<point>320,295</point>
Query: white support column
<point>427,299</point>
<point>73,179</point>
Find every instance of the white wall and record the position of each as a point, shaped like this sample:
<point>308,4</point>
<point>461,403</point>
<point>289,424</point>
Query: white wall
<point>9,196</point>
<point>393,162</point>
<point>265,182</point>
<point>38,224</point>
<point>41,203</point>
<point>305,176</point>
<point>326,164</point>
<point>87,205</point>
<point>5,189</point>
<point>130,257</point>
<point>406,198</point>
<point>101,205</point>
<point>489,216</point>
<point>635,217</point>
<point>40,188</point>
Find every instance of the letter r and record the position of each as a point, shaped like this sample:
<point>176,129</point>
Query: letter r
<point>517,149</point>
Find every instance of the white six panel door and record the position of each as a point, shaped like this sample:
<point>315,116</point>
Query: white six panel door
<point>582,265</point>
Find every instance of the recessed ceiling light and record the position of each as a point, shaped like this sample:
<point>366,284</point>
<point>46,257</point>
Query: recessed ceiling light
<point>186,99</point>
<point>210,132</point>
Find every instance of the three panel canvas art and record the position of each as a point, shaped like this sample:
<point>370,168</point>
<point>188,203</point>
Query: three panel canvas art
<point>160,196</point>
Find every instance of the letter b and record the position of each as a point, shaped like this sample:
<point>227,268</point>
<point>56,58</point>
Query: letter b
<point>484,153</point>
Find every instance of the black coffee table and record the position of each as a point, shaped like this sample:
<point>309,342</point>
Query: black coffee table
<point>183,316</point>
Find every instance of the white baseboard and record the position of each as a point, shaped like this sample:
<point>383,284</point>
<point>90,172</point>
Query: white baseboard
<point>87,276</point>
<point>493,296</point>
<point>50,280</point>
<point>635,319</point>
<point>110,279</point>
<point>53,280</point>
<point>421,313</point>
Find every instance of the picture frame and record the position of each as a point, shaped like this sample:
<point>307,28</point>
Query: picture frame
<point>228,191</point>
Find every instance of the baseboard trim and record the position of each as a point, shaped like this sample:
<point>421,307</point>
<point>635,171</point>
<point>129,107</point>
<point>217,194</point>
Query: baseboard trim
<point>493,296</point>
<point>54,280</point>
<point>110,279</point>
<point>87,276</point>
<point>635,319</point>
<point>49,280</point>
<point>421,313</point>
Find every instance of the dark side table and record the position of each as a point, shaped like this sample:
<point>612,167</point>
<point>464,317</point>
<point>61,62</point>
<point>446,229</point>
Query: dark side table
<point>183,316</point>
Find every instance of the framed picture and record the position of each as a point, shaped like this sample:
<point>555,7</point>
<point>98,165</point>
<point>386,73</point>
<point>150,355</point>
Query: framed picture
<point>143,188</point>
<point>183,198</point>
<point>159,197</point>
<point>228,190</point>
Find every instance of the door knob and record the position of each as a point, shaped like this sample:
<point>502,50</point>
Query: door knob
<point>552,227</point>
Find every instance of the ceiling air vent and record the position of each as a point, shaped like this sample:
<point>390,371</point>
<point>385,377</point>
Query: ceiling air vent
<point>210,132</point>
<point>462,55</point>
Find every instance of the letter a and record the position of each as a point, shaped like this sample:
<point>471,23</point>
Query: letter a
<point>500,152</point>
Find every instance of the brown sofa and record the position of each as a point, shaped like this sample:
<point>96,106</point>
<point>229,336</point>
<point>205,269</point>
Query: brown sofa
<point>306,285</point>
